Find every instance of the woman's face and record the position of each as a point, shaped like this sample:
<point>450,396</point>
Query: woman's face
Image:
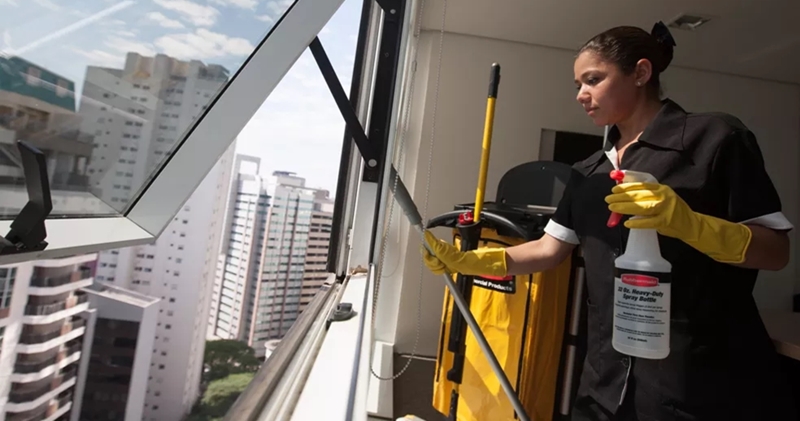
<point>607,95</point>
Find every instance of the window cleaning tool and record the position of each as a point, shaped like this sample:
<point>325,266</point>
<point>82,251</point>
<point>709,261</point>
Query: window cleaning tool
<point>403,199</point>
<point>642,288</point>
<point>469,229</point>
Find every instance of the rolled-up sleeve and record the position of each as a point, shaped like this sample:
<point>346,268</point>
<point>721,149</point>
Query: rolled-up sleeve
<point>748,191</point>
<point>561,225</point>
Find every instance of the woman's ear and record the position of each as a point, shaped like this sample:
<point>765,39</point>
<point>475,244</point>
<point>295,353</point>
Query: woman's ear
<point>643,72</point>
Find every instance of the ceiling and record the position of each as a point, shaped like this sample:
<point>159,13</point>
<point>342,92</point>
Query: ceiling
<point>756,38</point>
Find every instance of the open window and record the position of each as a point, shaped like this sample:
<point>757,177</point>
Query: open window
<point>127,132</point>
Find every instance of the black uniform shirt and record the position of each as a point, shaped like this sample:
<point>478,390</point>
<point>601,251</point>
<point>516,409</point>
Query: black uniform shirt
<point>722,364</point>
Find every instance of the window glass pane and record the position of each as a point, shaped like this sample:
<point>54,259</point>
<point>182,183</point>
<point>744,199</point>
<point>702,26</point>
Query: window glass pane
<point>107,89</point>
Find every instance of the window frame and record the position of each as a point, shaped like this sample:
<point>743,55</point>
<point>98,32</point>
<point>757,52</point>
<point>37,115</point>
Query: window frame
<point>165,191</point>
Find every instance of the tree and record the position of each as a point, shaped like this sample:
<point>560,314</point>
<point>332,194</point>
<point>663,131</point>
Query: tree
<point>225,357</point>
<point>219,397</point>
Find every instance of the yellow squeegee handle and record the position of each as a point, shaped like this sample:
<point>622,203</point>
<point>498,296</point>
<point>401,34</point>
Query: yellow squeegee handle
<point>488,126</point>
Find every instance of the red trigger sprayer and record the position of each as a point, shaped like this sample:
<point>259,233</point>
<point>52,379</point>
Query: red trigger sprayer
<point>615,217</point>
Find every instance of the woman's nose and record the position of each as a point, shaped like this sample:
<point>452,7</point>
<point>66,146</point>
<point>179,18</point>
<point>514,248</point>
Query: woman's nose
<point>583,97</point>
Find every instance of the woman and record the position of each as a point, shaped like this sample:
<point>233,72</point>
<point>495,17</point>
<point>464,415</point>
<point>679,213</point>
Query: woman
<point>719,219</point>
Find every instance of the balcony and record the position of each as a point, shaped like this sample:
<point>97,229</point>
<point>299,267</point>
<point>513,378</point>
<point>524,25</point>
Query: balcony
<point>48,309</point>
<point>46,412</point>
<point>60,284</point>
<point>61,359</point>
<point>54,386</point>
<point>42,310</point>
<point>27,338</point>
<point>55,281</point>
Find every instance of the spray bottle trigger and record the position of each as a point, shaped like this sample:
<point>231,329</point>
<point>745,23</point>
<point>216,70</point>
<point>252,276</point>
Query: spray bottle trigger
<point>614,219</point>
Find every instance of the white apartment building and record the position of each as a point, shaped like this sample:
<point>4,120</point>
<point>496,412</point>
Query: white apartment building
<point>136,114</point>
<point>44,335</point>
<point>263,260</point>
<point>239,262</point>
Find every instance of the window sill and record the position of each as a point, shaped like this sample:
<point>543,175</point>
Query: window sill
<point>69,237</point>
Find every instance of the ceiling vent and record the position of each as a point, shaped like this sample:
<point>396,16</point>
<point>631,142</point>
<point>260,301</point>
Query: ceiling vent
<point>688,22</point>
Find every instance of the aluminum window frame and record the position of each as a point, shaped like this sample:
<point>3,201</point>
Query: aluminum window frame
<point>170,186</point>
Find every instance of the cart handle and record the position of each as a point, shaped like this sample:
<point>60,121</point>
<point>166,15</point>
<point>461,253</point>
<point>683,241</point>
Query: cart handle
<point>450,219</point>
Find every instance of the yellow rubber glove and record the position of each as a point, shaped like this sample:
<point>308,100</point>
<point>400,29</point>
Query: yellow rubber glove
<point>664,211</point>
<point>485,261</point>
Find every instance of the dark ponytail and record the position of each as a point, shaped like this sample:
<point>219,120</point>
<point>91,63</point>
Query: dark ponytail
<point>626,45</point>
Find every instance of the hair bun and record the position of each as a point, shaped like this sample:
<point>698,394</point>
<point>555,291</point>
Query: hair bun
<point>664,38</point>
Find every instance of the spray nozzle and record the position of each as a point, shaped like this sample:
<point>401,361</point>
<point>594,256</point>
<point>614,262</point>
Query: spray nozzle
<point>628,177</point>
<point>615,217</point>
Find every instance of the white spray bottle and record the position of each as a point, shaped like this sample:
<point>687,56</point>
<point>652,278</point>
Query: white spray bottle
<point>642,290</point>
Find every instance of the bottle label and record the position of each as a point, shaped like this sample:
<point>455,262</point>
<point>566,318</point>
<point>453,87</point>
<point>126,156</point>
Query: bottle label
<point>642,309</point>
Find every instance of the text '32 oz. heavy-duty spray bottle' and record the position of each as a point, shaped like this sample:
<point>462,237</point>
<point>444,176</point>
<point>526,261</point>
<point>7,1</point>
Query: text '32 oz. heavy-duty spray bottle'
<point>642,289</point>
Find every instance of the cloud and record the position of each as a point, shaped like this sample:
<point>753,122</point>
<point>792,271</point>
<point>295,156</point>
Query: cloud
<point>244,4</point>
<point>129,33</point>
<point>127,45</point>
<point>9,3</point>
<point>263,18</point>
<point>164,21</point>
<point>276,8</point>
<point>7,40</point>
<point>47,4</point>
<point>101,58</point>
<point>197,14</point>
<point>203,44</point>
<point>111,22</point>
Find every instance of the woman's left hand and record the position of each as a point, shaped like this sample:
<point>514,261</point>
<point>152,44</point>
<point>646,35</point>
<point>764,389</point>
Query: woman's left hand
<point>663,210</point>
<point>660,206</point>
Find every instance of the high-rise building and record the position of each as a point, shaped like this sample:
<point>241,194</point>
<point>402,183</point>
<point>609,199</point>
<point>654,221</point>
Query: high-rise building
<point>264,261</point>
<point>123,335</point>
<point>319,238</point>
<point>137,115</point>
<point>43,336</point>
<point>239,262</point>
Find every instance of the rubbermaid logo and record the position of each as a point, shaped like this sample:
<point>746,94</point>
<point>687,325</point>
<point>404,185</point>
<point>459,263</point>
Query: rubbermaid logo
<point>639,280</point>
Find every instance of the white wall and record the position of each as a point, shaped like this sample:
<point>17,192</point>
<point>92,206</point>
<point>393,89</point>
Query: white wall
<point>145,341</point>
<point>537,92</point>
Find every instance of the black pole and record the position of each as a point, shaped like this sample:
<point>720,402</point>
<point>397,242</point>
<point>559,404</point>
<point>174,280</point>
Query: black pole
<point>337,224</point>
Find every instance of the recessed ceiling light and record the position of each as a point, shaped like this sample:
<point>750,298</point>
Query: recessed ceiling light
<point>688,22</point>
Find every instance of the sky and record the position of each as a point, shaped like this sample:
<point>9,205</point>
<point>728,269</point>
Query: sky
<point>297,129</point>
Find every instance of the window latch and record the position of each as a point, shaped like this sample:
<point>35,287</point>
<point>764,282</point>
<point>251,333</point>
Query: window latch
<point>27,231</point>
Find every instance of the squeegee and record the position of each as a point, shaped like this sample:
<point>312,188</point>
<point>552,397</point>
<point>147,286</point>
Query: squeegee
<point>462,289</point>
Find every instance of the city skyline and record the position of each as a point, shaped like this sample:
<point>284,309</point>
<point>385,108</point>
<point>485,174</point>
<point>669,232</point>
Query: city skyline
<point>221,32</point>
<point>266,263</point>
<point>107,95</point>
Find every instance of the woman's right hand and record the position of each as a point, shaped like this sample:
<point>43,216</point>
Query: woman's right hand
<point>446,257</point>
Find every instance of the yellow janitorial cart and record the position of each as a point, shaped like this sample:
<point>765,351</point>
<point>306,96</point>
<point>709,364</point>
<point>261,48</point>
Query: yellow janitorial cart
<point>523,318</point>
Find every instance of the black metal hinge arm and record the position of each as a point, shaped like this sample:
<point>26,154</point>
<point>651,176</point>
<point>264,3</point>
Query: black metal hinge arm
<point>28,230</point>
<point>368,150</point>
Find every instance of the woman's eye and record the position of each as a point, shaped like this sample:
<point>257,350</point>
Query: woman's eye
<point>592,81</point>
